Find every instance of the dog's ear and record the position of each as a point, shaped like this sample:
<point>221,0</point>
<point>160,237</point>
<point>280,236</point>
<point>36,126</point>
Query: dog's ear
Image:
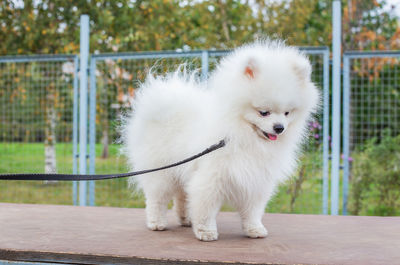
<point>250,70</point>
<point>302,69</point>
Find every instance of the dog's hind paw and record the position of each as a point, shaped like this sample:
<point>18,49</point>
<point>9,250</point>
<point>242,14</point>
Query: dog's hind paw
<point>206,235</point>
<point>256,232</point>
<point>185,222</point>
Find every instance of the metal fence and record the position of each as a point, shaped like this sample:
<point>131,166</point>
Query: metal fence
<point>38,108</point>
<point>113,81</point>
<point>371,104</point>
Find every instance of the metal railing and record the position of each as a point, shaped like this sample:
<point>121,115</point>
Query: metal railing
<point>371,82</point>
<point>38,123</point>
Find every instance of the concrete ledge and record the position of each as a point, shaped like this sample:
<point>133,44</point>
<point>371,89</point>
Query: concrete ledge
<point>100,235</point>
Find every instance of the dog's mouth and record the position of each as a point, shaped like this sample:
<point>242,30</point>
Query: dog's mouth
<point>264,135</point>
<point>272,137</point>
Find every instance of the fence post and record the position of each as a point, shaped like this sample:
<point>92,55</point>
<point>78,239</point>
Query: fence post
<point>92,129</point>
<point>84,56</point>
<point>75,131</point>
<point>346,129</point>
<point>204,65</point>
<point>325,154</point>
<point>336,50</point>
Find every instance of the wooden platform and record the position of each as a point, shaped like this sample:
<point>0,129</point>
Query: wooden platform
<point>98,235</point>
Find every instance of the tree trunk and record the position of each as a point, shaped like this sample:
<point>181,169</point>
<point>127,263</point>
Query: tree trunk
<point>294,193</point>
<point>103,115</point>
<point>50,136</point>
<point>225,27</point>
<point>104,141</point>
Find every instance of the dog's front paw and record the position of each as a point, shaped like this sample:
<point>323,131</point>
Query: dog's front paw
<point>206,234</point>
<point>256,231</point>
<point>156,226</point>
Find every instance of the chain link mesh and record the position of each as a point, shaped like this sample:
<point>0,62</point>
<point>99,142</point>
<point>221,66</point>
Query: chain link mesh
<point>36,99</point>
<point>375,99</point>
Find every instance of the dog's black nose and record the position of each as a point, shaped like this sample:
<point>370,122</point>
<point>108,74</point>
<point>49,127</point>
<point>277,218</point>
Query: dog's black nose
<point>278,128</point>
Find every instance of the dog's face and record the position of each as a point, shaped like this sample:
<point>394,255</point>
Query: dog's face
<point>280,95</point>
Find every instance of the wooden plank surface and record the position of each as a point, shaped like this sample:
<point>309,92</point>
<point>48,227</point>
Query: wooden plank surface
<point>101,235</point>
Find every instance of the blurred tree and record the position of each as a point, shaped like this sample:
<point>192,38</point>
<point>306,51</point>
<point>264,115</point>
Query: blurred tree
<point>368,25</point>
<point>300,22</point>
<point>52,26</point>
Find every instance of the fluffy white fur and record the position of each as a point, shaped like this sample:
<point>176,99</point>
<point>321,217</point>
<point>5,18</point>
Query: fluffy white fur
<point>176,116</point>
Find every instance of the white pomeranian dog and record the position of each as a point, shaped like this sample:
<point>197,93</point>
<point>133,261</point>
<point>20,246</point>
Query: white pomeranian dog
<point>259,99</point>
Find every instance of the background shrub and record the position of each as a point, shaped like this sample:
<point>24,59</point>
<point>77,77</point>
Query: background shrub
<point>375,182</point>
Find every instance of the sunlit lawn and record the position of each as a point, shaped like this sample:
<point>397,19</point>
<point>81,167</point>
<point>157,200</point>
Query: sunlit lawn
<point>25,158</point>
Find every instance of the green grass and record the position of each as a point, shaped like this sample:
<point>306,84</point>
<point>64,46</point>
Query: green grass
<point>23,158</point>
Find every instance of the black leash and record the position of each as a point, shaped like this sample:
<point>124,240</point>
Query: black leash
<point>78,177</point>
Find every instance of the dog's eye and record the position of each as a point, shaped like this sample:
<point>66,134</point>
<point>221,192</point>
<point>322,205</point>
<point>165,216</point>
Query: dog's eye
<point>286,113</point>
<point>264,113</point>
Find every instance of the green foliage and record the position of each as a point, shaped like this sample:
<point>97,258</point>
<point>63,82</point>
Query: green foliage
<point>52,26</point>
<point>368,25</point>
<point>301,22</point>
<point>375,182</point>
<point>303,190</point>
